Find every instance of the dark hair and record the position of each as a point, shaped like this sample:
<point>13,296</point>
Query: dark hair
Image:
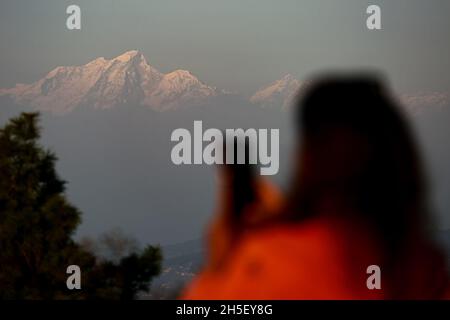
<point>383,178</point>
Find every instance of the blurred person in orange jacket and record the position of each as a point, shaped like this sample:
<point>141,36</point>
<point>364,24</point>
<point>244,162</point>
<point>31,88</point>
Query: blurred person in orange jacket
<point>358,198</point>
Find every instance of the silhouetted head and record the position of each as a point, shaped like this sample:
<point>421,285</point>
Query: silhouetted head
<point>357,148</point>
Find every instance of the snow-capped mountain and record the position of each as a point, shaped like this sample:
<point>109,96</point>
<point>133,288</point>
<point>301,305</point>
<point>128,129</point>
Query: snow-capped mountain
<point>129,79</point>
<point>280,93</point>
<point>422,101</point>
<point>178,88</point>
<point>104,83</point>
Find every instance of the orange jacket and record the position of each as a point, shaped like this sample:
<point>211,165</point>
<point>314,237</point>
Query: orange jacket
<point>323,258</point>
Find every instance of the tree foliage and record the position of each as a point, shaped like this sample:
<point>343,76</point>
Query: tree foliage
<point>37,224</point>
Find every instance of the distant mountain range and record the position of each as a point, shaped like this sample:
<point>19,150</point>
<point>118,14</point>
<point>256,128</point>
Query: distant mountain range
<point>282,92</point>
<point>279,93</point>
<point>104,83</point>
<point>129,79</point>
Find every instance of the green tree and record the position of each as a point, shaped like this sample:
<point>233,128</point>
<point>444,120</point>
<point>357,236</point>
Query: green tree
<point>37,224</point>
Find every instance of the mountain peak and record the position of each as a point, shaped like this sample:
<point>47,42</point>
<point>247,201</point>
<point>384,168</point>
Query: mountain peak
<point>103,83</point>
<point>288,77</point>
<point>127,56</point>
<point>182,73</point>
<point>180,88</point>
<point>279,93</point>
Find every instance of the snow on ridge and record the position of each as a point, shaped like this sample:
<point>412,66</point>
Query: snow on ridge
<point>282,93</point>
<point>103,83</point>
<point>279,93</point>
<point>128,78</point>
<point>420,101</point>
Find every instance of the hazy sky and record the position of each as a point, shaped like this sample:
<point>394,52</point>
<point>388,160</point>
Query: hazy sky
<point>237,45</point>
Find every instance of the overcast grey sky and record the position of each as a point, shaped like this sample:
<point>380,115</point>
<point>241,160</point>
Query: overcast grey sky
<point>237,45</point>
